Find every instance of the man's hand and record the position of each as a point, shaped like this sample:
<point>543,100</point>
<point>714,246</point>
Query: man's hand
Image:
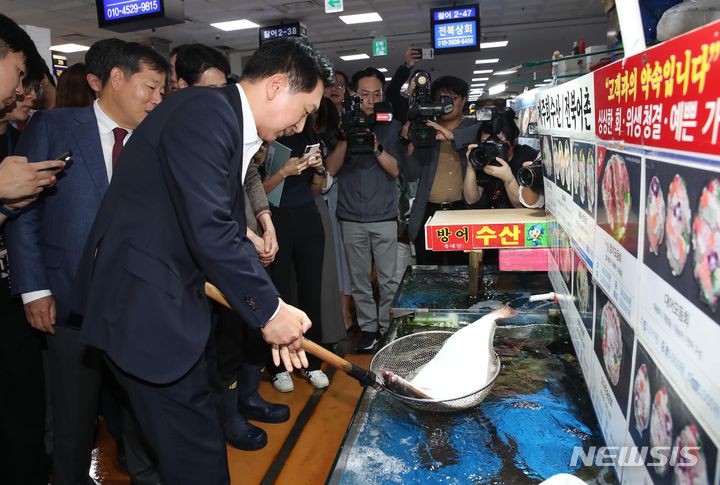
<point>40,314</point>
<point>443,134</point>
<point>20,203</point>
<point>411,55</point>
<point>285,334</point>
<point>20,179</point>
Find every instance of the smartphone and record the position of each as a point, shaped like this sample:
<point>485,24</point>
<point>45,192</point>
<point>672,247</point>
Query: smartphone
<point>428,53</point>
<point>315,147</point>
<point>65,157</point>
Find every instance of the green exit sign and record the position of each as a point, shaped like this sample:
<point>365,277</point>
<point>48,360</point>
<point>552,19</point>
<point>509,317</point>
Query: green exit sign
<point>380,47</point>
<point>332,6</point>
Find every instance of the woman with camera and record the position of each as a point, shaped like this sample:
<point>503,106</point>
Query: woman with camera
<point>496,161</point>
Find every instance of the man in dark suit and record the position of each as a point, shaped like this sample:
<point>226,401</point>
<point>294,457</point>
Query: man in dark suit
<point>171,220</point>
<point>45,242</point>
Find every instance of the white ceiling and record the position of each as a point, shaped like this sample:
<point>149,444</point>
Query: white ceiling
<point>535,28</point>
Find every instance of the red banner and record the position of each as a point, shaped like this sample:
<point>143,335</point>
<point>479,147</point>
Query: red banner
<point>665,97</point>
<point>485,236</point>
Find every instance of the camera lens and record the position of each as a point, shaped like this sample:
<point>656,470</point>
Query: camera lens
<point>526,177</point>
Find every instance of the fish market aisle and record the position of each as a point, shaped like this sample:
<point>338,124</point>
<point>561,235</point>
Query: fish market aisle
<point>299,451</point>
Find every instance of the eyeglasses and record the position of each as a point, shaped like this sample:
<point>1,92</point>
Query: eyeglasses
<point>35,86</point>
<point>338,86</point>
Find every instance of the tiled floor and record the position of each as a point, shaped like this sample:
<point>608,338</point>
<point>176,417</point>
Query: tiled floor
<point>297,452</point>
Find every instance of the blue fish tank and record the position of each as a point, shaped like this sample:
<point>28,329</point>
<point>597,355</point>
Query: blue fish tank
<point>526,430</point>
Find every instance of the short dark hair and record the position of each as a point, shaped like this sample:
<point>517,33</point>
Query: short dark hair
<point>367,72</point>
<point>15,39</point>
<point>449,83</point>
<point>73,91</point>
<point>193,60</point>
<point>99,55</point>
<point>299,61</point>
<point>347,78</point>
<point>130,55</point>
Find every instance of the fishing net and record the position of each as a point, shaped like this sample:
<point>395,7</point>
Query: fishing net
<point>407,355</point>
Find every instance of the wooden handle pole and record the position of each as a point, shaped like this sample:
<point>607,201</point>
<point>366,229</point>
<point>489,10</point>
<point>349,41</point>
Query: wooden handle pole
<point>309,346</point>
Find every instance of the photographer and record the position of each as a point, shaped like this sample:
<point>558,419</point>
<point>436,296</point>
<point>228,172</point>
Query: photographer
<point>366,164</point>
<point>440,165</point>
<point>496,160</point>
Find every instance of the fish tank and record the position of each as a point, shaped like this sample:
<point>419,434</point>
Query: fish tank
<point>537,415</point>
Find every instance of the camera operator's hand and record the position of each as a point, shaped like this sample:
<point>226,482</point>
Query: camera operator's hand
<point>502,172</point>
<point>443,134</point>
<point>411,55</point>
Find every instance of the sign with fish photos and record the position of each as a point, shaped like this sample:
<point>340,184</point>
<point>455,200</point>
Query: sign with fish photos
<point>583,191</point>
<point>660,419</point>
<point>680,294</point>
<point>666,97</point>
<point>616,236</point>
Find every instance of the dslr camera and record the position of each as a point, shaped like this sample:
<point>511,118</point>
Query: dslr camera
<point>532,176</point>
<point>492,147</point>
<point>357,126</point>
<point>423,108</point>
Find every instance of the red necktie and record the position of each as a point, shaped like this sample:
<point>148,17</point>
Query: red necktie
<point>120,134</point>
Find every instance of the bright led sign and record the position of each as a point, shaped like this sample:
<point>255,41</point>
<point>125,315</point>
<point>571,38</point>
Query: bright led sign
<point>132,15</point>
<point>455,29</point>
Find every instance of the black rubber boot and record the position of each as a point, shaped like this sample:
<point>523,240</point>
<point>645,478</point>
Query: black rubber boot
<point>251,404</point>
<point>238,431</point>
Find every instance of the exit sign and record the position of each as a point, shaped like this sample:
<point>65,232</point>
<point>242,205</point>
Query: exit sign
<point>380,47</point>
<point>332,6</point>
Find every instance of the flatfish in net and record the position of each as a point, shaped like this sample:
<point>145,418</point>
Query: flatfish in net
<point>461,366</point>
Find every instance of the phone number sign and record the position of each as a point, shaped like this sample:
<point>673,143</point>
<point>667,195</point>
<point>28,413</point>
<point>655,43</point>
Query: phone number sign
<point>456,34</point>
<point>665,97</point>
<point>119,9</point>
<point>465,237</point>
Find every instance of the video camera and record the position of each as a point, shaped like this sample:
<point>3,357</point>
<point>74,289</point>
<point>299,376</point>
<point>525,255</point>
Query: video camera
<point>532,176</point>
<point>423,108</point>
<point>358,127</point>
<point>492,147</point>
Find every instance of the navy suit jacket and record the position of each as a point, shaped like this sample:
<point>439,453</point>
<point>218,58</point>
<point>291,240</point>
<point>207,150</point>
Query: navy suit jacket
<point>172,218</point>
<point>45,242</point>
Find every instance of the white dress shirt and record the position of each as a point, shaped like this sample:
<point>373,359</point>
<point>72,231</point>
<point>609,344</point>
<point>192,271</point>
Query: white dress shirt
<point>251,139</point>
<point>107,140</point>
<point>251,144</point>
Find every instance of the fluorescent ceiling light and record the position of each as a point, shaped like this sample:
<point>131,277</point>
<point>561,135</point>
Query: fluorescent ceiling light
<point>478,79</point>
<point>388,79</point>
<point>505,73</point>
<point>483,71</point>
<point>487,61</point>
<point>361,18</point>
<point>235,25</point>
<point>490,45</point>
<point>68,48</point>
<point>497,89</point>
<point>477,85</point>
<point>547,80</point>
<point>382,69</point>
<point>355,57</point>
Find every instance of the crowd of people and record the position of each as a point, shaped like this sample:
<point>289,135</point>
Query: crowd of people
<point>169,185</point>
